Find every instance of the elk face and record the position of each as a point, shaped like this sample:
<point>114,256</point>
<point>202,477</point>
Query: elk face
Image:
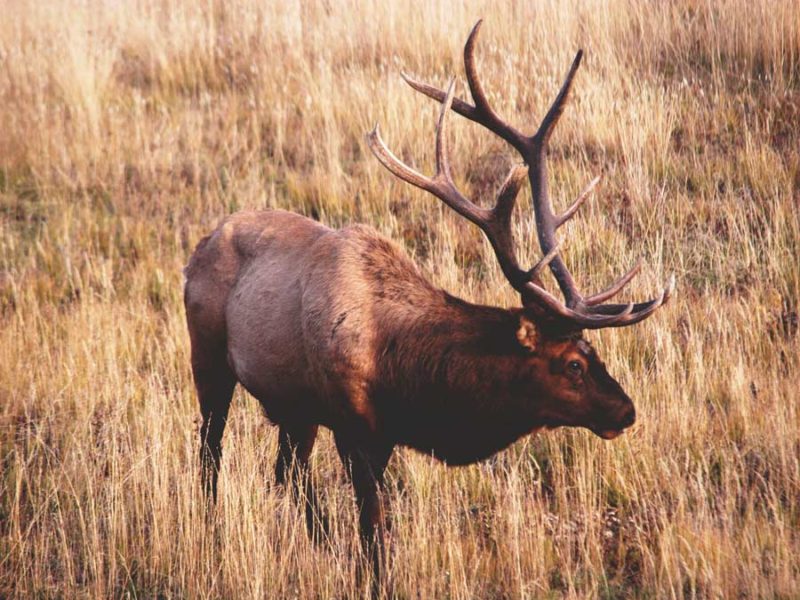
<point>571,385</point>
<point>581,391</point>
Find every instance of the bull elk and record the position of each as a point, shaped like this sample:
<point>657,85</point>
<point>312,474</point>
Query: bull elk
<point>339,328</point>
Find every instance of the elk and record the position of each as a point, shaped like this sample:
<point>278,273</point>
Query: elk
<point>338,328</point>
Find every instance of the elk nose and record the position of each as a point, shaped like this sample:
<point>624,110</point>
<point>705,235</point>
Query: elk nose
<point>628,416</point>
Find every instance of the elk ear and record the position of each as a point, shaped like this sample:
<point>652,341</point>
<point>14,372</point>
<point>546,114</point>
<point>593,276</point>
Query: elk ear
<point>527,334</point>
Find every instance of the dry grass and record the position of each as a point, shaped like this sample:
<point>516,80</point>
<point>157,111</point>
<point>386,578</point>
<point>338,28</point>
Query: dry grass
<point>128,129</point>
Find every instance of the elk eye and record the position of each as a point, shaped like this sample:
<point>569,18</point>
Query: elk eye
<point>574,367</point>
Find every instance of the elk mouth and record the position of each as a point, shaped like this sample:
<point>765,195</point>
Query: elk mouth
<point>608,434</point>
<point>602,431</point>
<point>609,431</point>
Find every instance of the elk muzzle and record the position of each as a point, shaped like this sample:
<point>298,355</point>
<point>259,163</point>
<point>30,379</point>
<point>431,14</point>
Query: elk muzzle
<point>612,428</point>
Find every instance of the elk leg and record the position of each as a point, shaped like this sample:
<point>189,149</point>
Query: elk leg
<point>365,465</point>
<point>294,449</point>
<point>214,382</point>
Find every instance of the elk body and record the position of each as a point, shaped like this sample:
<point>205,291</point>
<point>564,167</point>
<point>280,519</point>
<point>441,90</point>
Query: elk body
<point>338,328</point>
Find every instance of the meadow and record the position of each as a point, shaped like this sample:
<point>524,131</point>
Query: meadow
<point>129,129</point>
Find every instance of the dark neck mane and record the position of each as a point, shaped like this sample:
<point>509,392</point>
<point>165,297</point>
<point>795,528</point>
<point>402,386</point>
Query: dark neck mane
<point>448,376</point>
<point>435,343</point>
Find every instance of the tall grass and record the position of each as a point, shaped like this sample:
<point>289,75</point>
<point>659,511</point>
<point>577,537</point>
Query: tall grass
<point>127,130</point>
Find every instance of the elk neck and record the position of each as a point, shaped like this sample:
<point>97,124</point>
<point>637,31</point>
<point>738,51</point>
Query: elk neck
<point>455,380</point>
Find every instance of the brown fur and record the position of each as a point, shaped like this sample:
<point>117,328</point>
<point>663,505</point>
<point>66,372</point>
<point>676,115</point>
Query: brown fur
<point>340,329</point>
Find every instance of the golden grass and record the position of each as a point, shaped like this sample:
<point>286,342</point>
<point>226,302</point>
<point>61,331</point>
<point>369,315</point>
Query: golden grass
<point>128,129</point>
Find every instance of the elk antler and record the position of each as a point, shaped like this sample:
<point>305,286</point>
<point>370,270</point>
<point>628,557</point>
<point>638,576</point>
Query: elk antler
<point>577,310</point>
<point>495,222</point>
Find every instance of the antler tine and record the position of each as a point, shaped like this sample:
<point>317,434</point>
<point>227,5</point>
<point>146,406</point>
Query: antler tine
<point>537,294</point>
<point>441,184</point>
<point>394,164</point>
<point>644,310</point>
<point>608,315</point>
<point>463,108</point>
<point>442,141</point>
<point>481,113</point>
<point>475,87</point>
<point>573,209</point>
<point>533,274</point>
<point>557,108</point>
<point>495,223</point>
<point>507,195</point>
<point>485,113</point>
<point>500,228</point>
<point>615,288</point>
<point>612,309</point>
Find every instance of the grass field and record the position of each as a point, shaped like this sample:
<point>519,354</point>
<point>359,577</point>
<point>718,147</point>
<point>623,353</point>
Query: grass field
<point>127,130</point>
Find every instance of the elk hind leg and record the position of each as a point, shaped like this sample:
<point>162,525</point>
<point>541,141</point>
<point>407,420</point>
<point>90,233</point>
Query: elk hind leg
<point>214,382</point>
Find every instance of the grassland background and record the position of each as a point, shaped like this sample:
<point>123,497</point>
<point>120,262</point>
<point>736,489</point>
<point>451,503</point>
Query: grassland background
<point>127,130</point>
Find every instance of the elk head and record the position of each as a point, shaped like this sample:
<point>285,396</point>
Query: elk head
<point>571,383</point>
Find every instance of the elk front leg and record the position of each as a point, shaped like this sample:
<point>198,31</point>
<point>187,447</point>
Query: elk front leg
<point>295,443</point>
<point>365,463</point>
